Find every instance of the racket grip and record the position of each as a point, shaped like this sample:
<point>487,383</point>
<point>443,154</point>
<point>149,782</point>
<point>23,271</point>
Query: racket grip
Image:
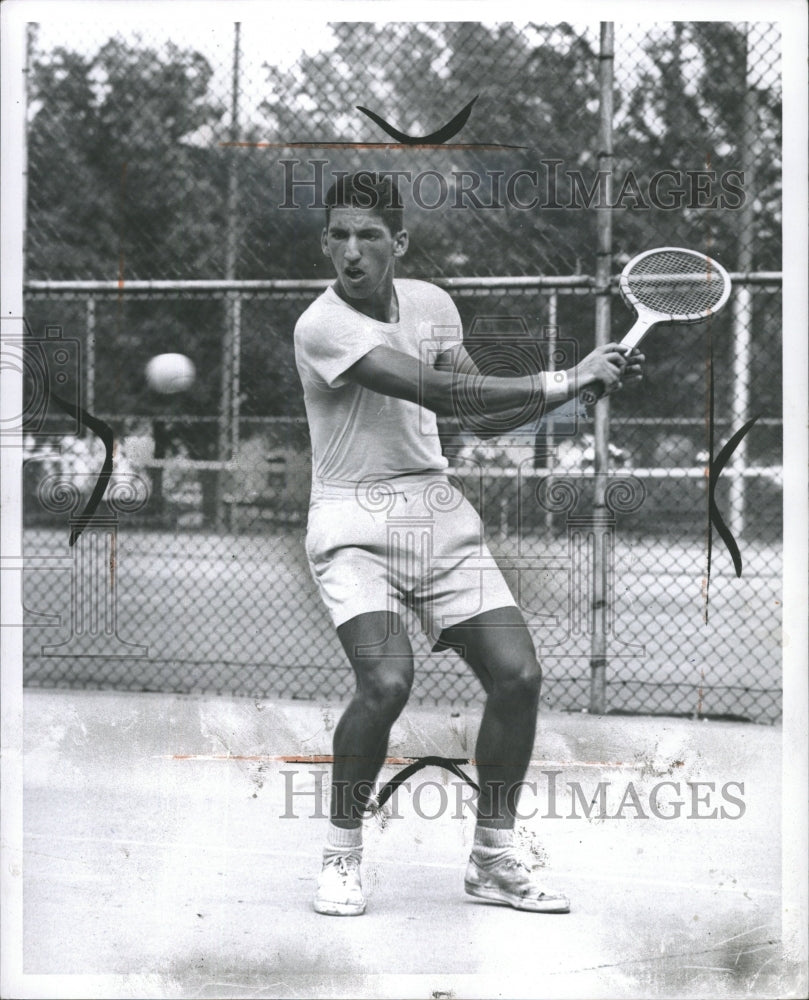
<point>592,393</point>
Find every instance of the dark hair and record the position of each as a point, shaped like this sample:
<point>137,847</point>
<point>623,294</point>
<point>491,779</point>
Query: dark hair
<point>366,189</point>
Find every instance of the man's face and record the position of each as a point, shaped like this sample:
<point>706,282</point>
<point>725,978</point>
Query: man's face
<point>363,250</point>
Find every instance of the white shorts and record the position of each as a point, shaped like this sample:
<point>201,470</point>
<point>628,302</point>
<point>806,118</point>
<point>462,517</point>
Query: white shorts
<point>413,542</point>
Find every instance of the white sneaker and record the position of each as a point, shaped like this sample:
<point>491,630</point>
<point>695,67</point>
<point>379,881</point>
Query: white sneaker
<point>512,882</point>
<point>339,888</point>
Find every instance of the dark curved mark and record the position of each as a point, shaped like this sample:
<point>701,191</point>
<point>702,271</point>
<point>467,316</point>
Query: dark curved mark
<point>441,135</point>
<point>450,763</point>
<point>105,432</point>
<point>715,470</point>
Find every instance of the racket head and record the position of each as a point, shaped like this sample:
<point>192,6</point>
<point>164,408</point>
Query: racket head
<point>674,285</point>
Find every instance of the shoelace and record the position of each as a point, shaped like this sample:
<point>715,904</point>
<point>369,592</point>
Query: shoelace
<point>345,866</point>
<point>509,859</point>
<point>514,862</point>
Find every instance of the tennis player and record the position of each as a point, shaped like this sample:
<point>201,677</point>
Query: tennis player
<point>388,536</point>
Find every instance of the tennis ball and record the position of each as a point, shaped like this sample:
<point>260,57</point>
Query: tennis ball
<point>170,373</point>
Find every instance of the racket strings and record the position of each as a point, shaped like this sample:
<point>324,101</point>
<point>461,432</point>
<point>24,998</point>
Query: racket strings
<point>682,285</point>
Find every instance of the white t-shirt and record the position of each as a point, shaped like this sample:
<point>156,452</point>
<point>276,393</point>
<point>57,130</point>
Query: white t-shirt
<point>356,433</point>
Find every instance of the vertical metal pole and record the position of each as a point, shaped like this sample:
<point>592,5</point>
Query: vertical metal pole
<point>743,303</point>
<point>236,372</point>
<point>233,176</point>
<point>90,357</point>
<point>603,313</point>
<point>553,332</point>
<point>229,403</point>
<point>30,36</point>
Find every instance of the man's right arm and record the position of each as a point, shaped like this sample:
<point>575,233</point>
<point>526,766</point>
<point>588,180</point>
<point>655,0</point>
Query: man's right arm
<point>459,394</point>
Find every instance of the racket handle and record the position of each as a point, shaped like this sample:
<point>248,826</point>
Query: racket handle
<point>592,393</point>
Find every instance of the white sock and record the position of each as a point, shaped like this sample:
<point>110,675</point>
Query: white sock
<point>340,836</point>
<point>491,845</point>
<point>493,836</point>
<point>341,842</point>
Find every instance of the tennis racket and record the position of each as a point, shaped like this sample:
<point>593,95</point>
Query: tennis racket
<point>667,285</point>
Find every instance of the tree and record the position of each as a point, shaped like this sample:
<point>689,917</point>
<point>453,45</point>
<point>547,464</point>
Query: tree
<point>114,188</point>
<point>684,110</point>
<point>534,90</point>
<point>118,189</point>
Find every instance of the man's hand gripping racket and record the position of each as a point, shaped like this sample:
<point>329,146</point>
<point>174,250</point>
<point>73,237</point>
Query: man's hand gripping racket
<point>666,285</point>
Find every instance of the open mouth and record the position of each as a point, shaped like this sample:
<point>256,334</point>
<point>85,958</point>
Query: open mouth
<point>354,273</point>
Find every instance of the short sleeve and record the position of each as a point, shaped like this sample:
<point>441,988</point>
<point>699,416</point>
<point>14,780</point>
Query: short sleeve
<point>328,348</point>
<point>445,323</point>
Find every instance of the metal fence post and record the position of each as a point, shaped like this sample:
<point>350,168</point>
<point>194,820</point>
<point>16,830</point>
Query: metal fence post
<point>603,313</point>
<point>229,403</point>
<point>90,356</point>
<point>552,330</point>
<point>743,302</point>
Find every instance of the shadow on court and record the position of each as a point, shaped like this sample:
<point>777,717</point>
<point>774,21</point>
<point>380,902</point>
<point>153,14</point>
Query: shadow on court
<point>172,845</point>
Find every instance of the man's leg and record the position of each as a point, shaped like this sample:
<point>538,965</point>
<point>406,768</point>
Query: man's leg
<point>380,653</point>
<point>498,648</point>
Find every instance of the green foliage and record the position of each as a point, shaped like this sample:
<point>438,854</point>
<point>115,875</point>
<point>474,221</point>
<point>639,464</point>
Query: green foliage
<point>693,90</point>
<point>115,188</point>
<point>533,95</point>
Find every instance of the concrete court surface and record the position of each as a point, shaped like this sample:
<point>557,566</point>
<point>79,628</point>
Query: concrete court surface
<point>158,860</point>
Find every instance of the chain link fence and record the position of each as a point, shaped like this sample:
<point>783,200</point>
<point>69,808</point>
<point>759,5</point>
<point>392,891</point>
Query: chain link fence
<point>173,205</point>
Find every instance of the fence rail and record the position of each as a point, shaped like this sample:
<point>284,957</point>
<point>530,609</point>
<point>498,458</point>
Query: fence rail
<point>560,282</point>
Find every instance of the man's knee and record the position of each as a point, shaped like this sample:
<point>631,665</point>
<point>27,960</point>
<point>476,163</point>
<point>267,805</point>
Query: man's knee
<point>517,673</point>
<point>387,686</point>
<point>380,653</point>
